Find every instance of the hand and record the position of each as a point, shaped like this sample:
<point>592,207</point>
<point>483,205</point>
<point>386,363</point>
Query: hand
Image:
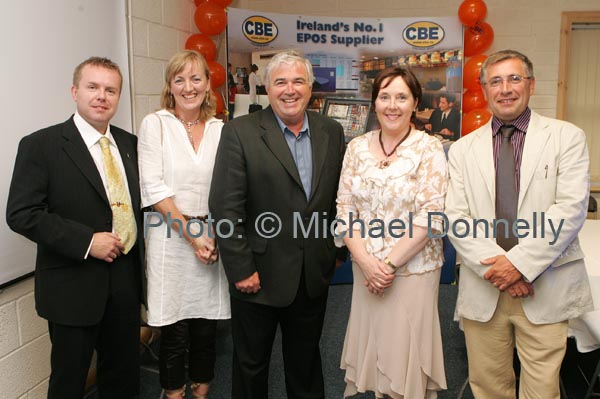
<point>445,132</point>
<point>106,246</point>
<point>503,273</point>
<point>205,249</point>
<point>428,126</point>
<point>214,257</point>
<point>377,276</point>
<point>521,289</point>
<point>250,285</point>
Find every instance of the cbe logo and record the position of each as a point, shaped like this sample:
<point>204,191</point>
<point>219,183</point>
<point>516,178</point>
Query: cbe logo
<point>259,30</point>
<point>423,34</point>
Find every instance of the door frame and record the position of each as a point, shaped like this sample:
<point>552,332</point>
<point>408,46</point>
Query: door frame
<point>568,19</point>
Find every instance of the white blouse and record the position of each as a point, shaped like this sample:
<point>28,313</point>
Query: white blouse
<point>179,285</point>
<point>410,191</point>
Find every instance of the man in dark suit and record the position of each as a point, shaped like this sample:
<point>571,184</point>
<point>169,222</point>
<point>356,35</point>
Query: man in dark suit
<point>88,277</point>
<point>276,171</point>
<point>445,120</point>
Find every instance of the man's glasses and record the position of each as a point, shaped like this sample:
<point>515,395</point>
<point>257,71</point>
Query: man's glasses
<point>512,79</point>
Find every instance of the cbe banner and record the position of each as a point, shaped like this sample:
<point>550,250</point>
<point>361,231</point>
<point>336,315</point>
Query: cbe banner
<point>250,31</point>
<point>347,53</point>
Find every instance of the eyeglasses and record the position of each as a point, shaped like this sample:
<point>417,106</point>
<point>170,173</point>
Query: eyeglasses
<point>512,79</point>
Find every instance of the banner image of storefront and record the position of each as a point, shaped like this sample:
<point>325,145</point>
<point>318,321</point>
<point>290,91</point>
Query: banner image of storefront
<point>347,54</point>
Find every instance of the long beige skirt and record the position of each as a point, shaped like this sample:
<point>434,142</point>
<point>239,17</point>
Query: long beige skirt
<point>393,344</point>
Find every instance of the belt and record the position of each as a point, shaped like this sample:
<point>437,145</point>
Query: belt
<point>199,218</point>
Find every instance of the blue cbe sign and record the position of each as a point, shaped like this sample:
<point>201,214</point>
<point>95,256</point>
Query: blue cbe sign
<point>423,34</point>
<point>259,30</point>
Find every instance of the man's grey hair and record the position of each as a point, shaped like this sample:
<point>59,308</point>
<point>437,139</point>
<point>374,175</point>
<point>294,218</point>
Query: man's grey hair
<point>289,57</point>
<point>504,55</point>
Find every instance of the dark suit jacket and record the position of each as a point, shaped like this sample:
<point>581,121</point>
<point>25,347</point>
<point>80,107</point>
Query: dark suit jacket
<point>255,173</point>
<point>452,122</point>
<point>57,200</point>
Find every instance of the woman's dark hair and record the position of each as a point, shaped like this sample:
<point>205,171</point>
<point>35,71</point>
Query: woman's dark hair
<point>406,74</point>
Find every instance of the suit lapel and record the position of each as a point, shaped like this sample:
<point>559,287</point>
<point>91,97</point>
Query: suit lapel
<point>536,140</point>
<point>319,142</point>
<point>483,154</point>
<point>273,138</point>
<point>76,149</point>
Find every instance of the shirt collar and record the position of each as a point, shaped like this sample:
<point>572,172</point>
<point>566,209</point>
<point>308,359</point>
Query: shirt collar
<point>283,126</point>
<point>521,123</point>
<point>89,134</point>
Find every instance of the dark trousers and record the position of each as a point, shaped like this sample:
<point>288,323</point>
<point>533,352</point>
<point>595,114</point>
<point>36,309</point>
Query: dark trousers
<point>253,329</point>
<point>198,336</point>
<point>116,339</point>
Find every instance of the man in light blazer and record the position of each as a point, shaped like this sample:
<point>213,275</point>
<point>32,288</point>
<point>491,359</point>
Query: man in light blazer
<point>525,295</point>
<point>275,171</point>
<point>88,283</point>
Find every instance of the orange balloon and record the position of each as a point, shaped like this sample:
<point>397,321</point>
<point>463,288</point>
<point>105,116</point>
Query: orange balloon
<point>202,44</point>
<point>474,119</point>
<point>471,72</point>
<point>473,99</point>
<point>217,74</point>
<point>219,102</point>
<point>210,18</point>
<point>478,38</point>
<point>472,11</point>
<point>222,3</point>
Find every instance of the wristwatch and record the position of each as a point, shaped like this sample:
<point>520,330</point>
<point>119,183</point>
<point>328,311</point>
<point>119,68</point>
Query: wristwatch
<point>388,262</point>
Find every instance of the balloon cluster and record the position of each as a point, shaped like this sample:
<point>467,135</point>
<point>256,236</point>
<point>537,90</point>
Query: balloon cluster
<point>211,19</point>
<point>479,36</point>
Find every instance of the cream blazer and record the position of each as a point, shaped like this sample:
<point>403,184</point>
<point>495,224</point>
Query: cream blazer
<point>554,180</point>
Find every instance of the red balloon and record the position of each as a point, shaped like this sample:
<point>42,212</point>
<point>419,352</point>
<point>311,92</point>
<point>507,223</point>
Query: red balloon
<point>198,2</point>
<point>478,38</point>
<point>217,74</point>
<point>474,119</point>
<point>202,44</point>
<point>219,101</point>
<point>210,18</point>
<point>472,11</point>
<point>473,99</point>
<point>222,3</point>
<point>471,72</point>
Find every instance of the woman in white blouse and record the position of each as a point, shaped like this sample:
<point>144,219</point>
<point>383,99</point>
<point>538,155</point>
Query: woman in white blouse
<point>187,287</point>
<point>394,180</point>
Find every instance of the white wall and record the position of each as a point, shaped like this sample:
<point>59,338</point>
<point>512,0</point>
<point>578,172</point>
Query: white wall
<point>24,345</point>
<point>159,29</point>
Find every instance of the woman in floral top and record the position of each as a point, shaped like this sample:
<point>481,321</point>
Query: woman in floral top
<point>390,200</point>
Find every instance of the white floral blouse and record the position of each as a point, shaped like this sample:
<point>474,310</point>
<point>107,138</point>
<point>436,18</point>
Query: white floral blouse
<point>391,201</point>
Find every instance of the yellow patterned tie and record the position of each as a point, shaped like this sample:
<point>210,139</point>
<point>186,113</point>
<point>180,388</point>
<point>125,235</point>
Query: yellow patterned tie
<point>123,218</point>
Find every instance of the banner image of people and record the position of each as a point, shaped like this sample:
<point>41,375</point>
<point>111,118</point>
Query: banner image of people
<point>347,54</point>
